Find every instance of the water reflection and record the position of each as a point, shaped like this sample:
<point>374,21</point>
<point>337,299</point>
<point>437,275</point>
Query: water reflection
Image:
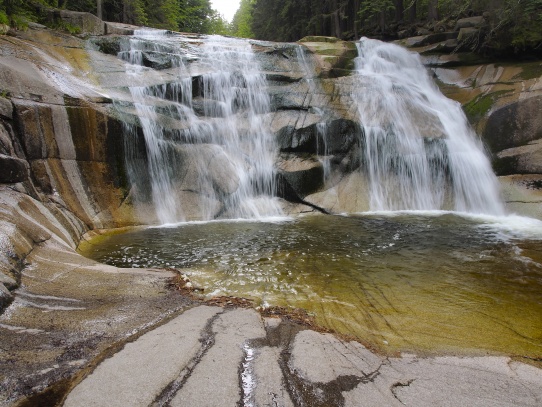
<point>405,282</point>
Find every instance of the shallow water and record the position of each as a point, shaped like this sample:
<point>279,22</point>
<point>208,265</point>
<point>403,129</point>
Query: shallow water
<point>429,282</point>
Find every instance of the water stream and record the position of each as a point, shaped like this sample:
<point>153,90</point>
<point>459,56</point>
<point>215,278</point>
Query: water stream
<point>406,276</point>
<point>419,150</point>
<point>435,281</point>
<point>204,134</point>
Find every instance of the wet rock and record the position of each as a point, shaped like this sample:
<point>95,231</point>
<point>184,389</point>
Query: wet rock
<point>6,145</point>
<point>13,170</point>
<point>112,28</point>
<point>5,296</point>
<point>514,124</point>
<point>525,159</point>
<point>6,108</point>
<point>335,57</point>
<point>470,22</point>
<point>110,44</point>
<point>8,282</point>
<point>305,176</point>
<point>215,159</point>
<point>523,194</point>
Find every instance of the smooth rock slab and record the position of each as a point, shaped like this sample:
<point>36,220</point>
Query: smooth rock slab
<point>213,357</point>
<point>137,374</point>
<point>215,380</point>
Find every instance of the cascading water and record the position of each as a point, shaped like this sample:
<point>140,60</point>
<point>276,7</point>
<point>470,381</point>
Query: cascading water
<point>419,151</point>
<point>239,89</point>
<point>217,157</point>
<point>157,146</point>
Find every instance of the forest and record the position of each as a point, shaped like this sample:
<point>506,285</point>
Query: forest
<point>510,27</point>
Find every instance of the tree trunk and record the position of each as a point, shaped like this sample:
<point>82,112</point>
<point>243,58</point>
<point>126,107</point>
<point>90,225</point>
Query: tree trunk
<point>432,13</point>
<point>99,9</point>
<point>399,10</point>
<point>413,12</point>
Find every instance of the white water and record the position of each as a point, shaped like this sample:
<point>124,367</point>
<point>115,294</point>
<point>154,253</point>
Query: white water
<point>227,152</point>
<point>239,88</point>
<point>418,149</point>
<point>159,167</point>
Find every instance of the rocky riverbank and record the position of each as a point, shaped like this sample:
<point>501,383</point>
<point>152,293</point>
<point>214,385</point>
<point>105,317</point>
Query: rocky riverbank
<point>63,174</point>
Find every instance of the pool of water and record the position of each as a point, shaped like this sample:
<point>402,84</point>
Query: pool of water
<point>423,282</point>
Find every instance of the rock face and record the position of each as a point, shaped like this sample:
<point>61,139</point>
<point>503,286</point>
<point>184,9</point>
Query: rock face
<point>63,142</point>
<point>63,173</point>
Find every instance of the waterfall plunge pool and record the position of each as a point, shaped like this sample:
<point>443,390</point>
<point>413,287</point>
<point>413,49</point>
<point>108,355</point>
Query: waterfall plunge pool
<point>433,282</point>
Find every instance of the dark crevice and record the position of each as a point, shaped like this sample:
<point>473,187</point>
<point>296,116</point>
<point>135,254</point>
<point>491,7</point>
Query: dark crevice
<point>396,385</point>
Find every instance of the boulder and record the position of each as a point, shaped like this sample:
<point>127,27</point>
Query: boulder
<point>469,22</point>
<point>467,33</point>
<point>220,174</point>
<point>6,108</point>
<point>86,22</point>
<point>5,296</point>
<point>304,175</point>
<point>112,28</point>
<point>514,125</point>
<point>12,170</point>
<point>525,159</point>
<point>430,39</point>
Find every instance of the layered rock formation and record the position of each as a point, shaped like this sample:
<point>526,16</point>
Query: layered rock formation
<point>63,173</point>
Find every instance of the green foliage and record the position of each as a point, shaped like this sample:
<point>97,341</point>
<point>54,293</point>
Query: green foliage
<point>217,24</point>
<point>194,16</point>
<point>242,20</point>
<point>519,22</point>
<point>163,14</point>
<point>372,9</point>
<point>64,26</point>
<point>4,18</point>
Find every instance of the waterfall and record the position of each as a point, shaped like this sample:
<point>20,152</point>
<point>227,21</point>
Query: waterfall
<point>418,150</point>
<point>239,91</point>
<point>208,150</point>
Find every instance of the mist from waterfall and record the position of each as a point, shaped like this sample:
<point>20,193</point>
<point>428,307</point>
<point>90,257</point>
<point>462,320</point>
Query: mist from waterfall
<point>217,159</point>
<point>418,149</point>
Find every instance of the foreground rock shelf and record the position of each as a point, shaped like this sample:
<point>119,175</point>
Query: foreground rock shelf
<point>225,357</point>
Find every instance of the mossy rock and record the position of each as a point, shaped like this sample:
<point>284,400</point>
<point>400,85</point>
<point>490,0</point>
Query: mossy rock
<point>482,104</point>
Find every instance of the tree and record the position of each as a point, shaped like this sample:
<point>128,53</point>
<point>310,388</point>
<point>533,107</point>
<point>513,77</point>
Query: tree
<point>217,24</point>
<point>242,20</point>
<point>432,10</point>
<point>195,16</point>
